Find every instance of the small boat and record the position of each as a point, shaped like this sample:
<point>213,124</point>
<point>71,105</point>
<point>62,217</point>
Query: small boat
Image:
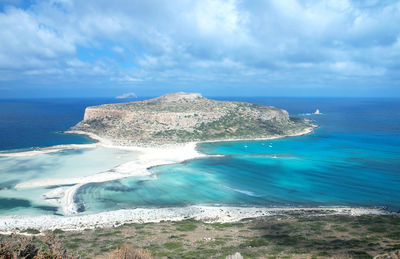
<point>317,111</point>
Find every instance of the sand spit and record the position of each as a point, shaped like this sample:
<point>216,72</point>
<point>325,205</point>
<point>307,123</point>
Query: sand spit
<point>46,150</point>
<point>146,157</point>
<point>205,213</point>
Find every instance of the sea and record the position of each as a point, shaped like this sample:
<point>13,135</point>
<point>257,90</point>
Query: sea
<point>351,159</point>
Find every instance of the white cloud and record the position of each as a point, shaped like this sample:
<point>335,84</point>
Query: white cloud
<point>148,61</point>
<point>202,41</point>
<point>215,17</point>
<point>356,69</point>
<point>118,49</point>
<point>25,42</point>
<point>126,79</point>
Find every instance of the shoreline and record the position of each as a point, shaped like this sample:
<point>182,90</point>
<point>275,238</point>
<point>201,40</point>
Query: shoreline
<point>148,157</point>
<point>209,214</point>
<point>107,142</point>
<point>298,134</point>
<point>145,159</point>
<point>46,150</point>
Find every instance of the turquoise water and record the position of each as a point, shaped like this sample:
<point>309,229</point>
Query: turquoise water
<point>353,159</point>
<point>69,163</point>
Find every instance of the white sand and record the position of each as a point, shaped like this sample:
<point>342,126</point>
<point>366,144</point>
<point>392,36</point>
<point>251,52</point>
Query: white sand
<point>10,224</point>
<point>46,150</point>
<point>147,157</point>
<point>101,140</point>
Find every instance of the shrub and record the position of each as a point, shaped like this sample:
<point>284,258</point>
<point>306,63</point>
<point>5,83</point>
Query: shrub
<point>58,231</point>
<point>129,252</point>
<point>172,245</point>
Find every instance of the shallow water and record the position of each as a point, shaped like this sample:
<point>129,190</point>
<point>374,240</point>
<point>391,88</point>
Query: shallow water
<point>69,163</point>
<point>353,159</point>
<point>253,173</point>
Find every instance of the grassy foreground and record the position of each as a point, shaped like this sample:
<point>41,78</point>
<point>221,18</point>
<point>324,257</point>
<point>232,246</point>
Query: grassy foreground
<point>294,235</point>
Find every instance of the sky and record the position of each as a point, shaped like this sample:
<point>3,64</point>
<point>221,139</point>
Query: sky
<point>96,48</point>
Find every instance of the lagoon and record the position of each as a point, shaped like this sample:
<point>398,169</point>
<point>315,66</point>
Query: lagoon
<point>352,159</point>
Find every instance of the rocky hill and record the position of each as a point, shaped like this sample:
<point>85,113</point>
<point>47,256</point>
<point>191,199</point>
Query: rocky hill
<point>185,117</point>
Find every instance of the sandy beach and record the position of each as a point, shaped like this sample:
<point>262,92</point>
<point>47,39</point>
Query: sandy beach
<point>47,150</point>
<point>140,215</point>
<point>146,157</point>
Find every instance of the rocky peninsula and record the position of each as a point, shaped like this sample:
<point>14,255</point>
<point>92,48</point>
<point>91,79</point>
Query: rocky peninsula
<point>157,131</point>
<point>187,117</point>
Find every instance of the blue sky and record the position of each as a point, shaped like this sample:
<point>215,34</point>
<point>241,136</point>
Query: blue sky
<point>74,48</point>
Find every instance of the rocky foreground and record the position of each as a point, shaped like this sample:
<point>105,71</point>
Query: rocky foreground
<point>186,117</point>
<point>296,234</point>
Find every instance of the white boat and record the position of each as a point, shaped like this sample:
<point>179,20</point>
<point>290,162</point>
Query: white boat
<point>317,112</point>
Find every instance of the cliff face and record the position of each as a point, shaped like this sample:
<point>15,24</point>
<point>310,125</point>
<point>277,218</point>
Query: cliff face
<point>183,117</point>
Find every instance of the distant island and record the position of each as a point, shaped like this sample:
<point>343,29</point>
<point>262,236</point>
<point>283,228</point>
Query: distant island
<point>187,117</point>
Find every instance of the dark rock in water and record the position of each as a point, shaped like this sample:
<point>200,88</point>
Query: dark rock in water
<point>80,207</point>
<point>7,185</point>
<point>58,186</point>
<point>47,208</point>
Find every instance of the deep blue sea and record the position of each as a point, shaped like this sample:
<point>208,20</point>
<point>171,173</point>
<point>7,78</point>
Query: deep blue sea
<point>29,123</point>
<point>352,159</point>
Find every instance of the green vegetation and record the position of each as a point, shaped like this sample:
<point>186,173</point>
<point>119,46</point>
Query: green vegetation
<point>186,225</point>
<point>171,119</point>
<point>172,245</point>
<point>58,231</point>
<point>305,236</point>
<point>31,231</point>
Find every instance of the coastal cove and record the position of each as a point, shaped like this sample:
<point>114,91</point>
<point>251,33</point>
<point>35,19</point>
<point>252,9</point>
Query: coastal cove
<point>215,129</point>
<point>249,174</point>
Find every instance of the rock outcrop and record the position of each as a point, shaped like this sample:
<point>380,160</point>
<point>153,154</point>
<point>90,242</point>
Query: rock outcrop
<point>184,117</point>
